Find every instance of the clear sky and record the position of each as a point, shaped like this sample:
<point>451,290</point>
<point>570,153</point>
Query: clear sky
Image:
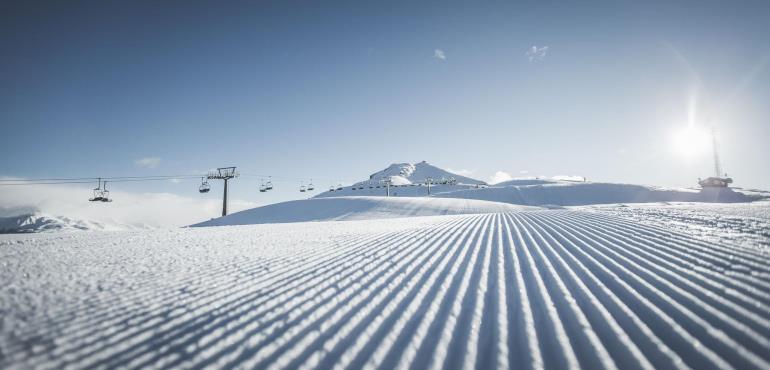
<point>338,90</point>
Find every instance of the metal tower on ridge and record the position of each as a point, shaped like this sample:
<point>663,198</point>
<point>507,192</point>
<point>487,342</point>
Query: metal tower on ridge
<point>223,173</point>
<point>716,181</point>
<point>717,164</point>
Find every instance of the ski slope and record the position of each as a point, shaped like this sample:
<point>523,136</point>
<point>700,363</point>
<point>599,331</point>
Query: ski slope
<point>359,208</point>
<point>526,290</point>
<point>747,224</point>
<point>576,194</point>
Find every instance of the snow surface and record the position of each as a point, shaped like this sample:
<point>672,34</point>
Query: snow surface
<point>359,208</point>
<point>529,290</point>
<point>747,224</point>
<point>584,193</point>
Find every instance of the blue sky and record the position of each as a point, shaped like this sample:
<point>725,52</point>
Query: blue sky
<point>338,90</point>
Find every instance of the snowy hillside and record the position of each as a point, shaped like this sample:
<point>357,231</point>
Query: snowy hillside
<point>584,193</point>
<point>409,181</point>
<point>37,222</point>
<point>359,208</point>
<point>550,289</point>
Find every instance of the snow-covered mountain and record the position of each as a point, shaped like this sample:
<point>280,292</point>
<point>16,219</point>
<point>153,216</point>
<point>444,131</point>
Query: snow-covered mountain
<point>407,180</point>
<point>39,222</point>
<point>408,173</point>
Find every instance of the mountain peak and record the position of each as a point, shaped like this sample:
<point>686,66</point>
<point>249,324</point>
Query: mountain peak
<point>416,173</point>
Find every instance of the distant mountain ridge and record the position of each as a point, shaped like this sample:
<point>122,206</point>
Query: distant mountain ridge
<point>39,222</point>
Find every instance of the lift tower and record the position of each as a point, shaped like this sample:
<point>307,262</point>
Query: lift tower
<point>224,173</point>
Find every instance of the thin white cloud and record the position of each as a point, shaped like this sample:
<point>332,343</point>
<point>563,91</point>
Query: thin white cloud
<point>536,54</point>
<point>439,54</point>
<point>148,162</point>
<point>499,177</point>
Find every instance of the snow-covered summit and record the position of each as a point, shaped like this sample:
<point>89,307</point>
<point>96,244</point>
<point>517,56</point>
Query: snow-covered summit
<point>407,180</point>
<point>408,173</point>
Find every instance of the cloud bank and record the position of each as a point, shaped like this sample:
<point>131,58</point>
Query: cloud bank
<point>136,209</point>
<point>499,177</point>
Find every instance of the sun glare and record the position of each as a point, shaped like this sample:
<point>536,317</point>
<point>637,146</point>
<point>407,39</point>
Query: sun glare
<point>690,141</point>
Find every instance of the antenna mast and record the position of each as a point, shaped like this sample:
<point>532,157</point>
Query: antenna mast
<point>717,165</point>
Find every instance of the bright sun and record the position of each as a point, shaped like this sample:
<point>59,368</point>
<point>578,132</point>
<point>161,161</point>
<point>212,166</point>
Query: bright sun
<point>690,141</point>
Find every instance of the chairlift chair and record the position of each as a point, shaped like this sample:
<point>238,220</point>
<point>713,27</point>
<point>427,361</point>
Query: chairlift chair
<point>105,194</point>
<point>98,193</point>
<point>310,186</point>
<point>269,184</point>
<point>205,187</point>
<point>97,190</point>
<point>339,186</point>
<point>302,188</point>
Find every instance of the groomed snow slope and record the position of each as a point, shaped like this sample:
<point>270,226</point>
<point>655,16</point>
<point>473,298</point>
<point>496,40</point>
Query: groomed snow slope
<point>359,208</point>
<point>747,224</point>
<point>526,290</point>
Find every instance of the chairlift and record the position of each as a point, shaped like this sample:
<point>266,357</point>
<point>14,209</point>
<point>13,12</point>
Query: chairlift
<point>269,184</point>
<point>205,187</point>
<point>101,194</point>
<point>262,187</point>
<point>339,186</point>
<point>106,194</point>
<point>310,186</point>
<point>331,188</point>
<point>302,188</point>
<point>98,195</point>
